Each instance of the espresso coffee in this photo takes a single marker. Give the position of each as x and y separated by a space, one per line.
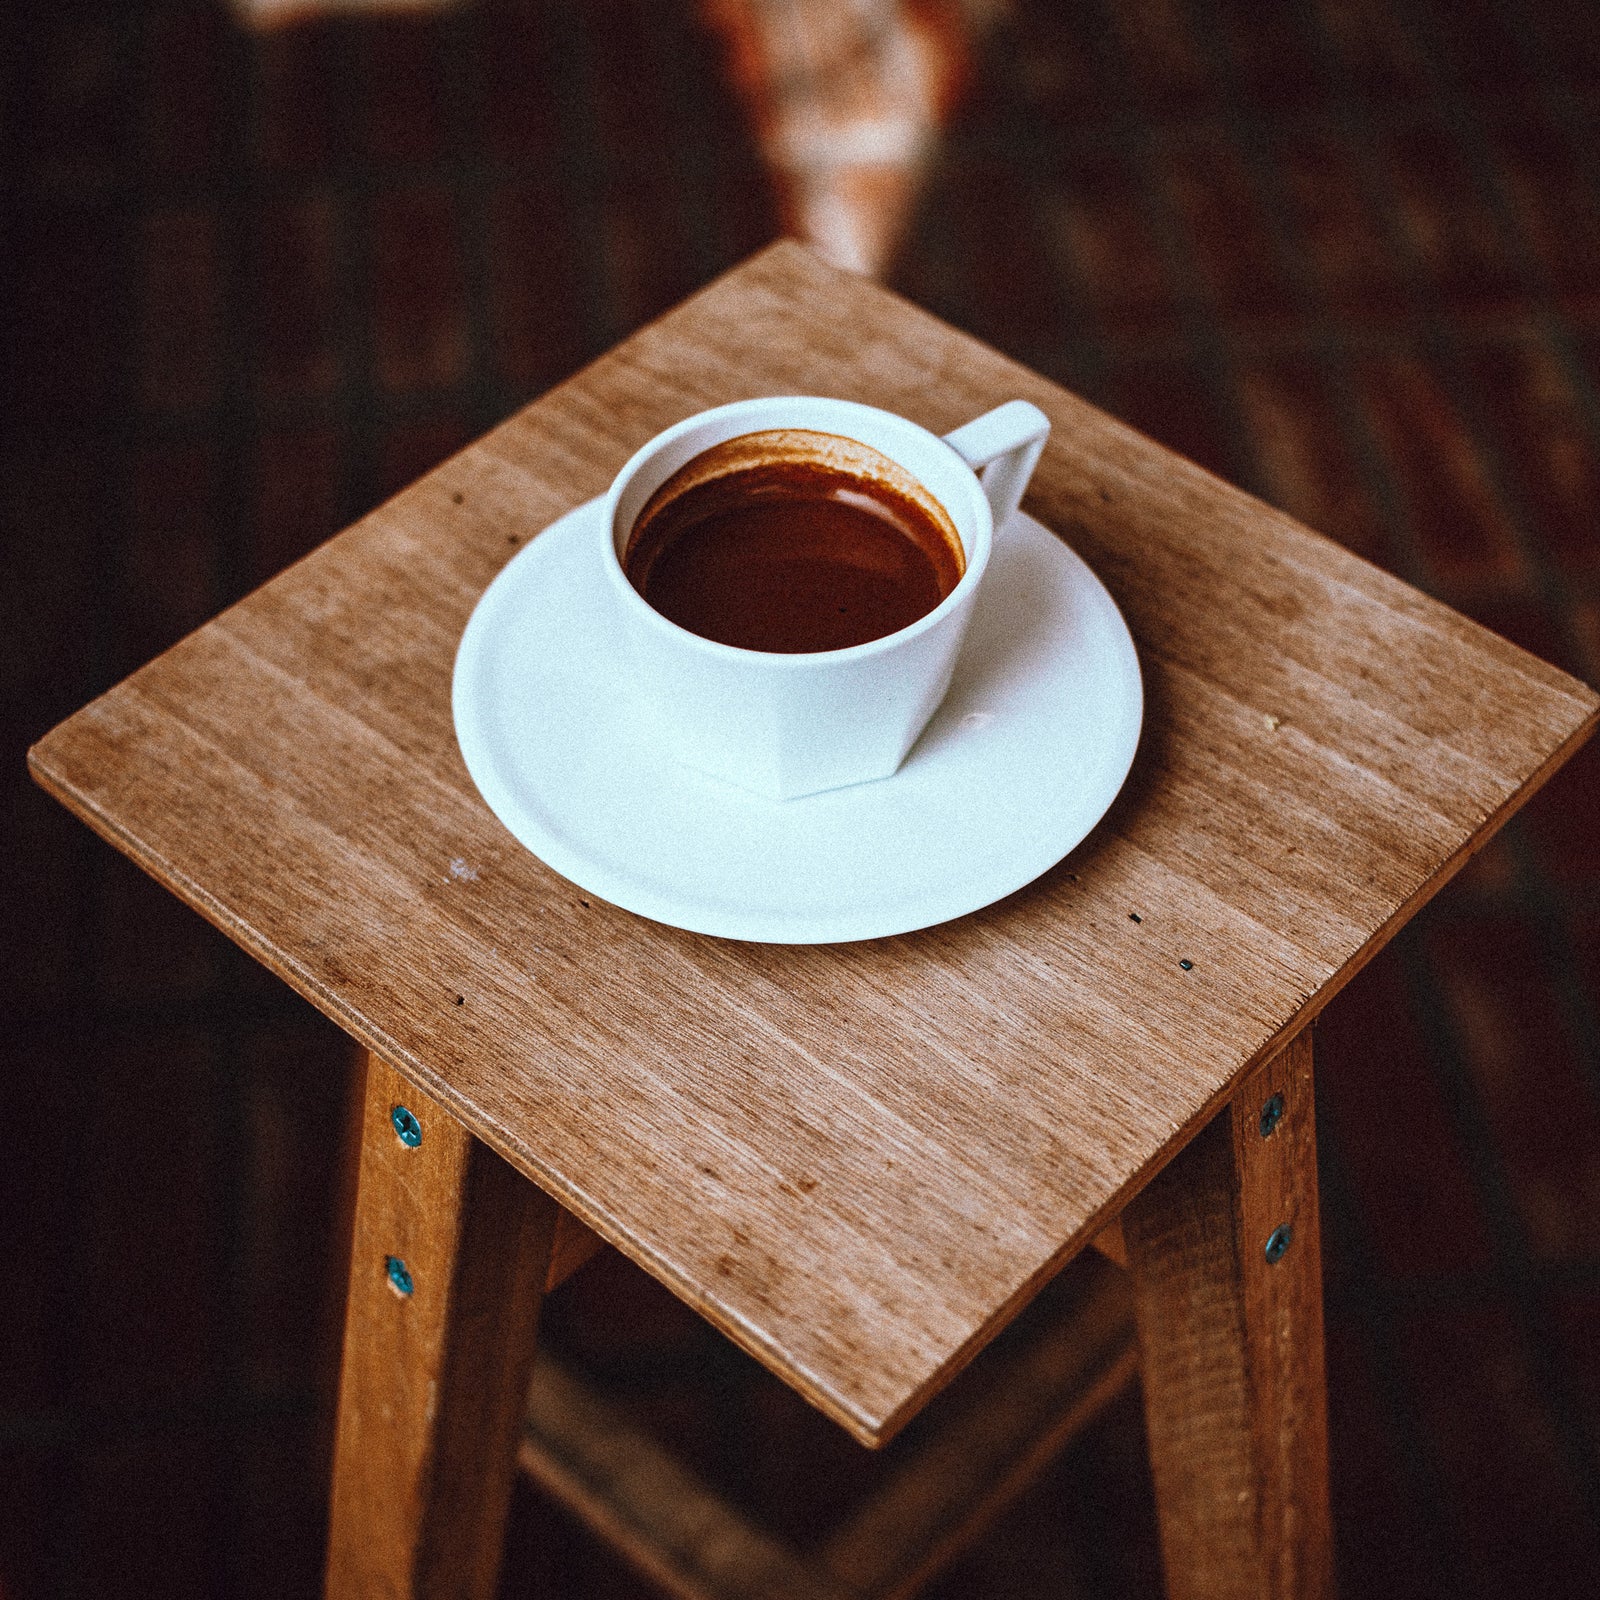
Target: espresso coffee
791 541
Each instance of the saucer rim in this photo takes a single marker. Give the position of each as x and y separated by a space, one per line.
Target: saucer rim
723 919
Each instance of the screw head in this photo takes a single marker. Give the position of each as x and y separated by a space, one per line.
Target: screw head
1277 1243
406 1127
399 1275
1271 1115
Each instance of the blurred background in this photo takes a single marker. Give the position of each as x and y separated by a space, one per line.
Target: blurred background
260 266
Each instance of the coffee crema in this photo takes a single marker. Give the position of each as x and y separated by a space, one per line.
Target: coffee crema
792 541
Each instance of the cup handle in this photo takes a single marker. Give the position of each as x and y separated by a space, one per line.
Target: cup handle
1002 447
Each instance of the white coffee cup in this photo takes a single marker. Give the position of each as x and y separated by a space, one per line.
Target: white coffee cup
785 725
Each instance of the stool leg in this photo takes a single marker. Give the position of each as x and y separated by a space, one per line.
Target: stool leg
1230 1330
448 1264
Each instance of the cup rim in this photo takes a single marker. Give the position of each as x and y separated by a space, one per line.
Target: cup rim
977 559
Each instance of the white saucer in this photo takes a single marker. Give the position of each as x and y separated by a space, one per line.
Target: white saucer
1026 754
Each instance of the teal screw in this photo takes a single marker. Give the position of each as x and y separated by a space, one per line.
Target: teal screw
1271 1115
1277 1243
399 1275
407 1129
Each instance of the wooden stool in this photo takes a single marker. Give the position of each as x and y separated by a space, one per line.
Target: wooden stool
861 1161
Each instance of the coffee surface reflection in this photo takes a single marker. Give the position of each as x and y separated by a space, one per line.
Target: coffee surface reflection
793 542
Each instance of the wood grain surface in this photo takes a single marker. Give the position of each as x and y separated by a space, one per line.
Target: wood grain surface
1230 1340
857 1160
435 1374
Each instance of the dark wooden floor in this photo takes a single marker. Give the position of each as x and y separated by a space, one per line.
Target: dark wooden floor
1345 252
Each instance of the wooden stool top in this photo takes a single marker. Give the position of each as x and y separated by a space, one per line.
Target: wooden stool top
858 1160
